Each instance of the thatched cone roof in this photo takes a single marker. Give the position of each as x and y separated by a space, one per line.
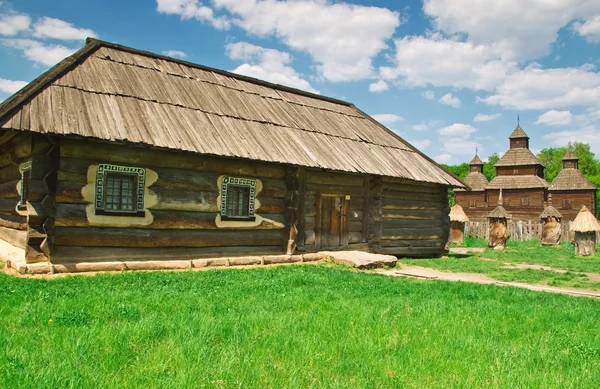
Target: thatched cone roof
585 221
550 211
499 213
457 214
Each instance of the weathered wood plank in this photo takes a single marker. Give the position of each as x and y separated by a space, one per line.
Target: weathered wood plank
10 173
410 204
412 196
413 251
17 238
331 178
409 214
412 243
134 237
112 153
335 189
410 223
16 222
412 233
68 254
74 215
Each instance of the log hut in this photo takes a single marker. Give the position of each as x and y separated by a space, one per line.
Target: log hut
551 225
474 201
498 221
116 154
585 226
458 218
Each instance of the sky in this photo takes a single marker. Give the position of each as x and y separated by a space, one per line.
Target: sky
449 76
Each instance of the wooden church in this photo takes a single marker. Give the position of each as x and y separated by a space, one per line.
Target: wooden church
520 177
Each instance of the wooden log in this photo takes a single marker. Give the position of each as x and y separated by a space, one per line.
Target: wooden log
412 243
9 206
410 204
74 215
413 251
270 205
7 135
8 190
412 187
309 223
10 173
309 199
310 238
336 189
411 223
70 192
16 152
412 196
310 211
17 238
135 237
331 178
68 254
412 233
409 214
16 222
185 200
141 156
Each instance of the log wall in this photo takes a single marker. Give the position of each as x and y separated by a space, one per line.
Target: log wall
341 184
15 148
569 202
512 198
415 218
184 212
473 203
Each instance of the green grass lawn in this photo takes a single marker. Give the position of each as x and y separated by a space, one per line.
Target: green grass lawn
291 327
526 252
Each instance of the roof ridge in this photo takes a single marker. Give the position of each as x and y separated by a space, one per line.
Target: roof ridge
253 80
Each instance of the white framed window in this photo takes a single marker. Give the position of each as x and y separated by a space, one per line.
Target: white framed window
25 185
238 198
120 190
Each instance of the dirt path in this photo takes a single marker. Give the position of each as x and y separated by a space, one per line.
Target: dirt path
433 274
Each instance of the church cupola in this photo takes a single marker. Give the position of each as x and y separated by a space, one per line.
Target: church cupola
476 166
519 139
570 160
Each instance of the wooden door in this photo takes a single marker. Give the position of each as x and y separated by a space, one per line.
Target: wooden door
332 222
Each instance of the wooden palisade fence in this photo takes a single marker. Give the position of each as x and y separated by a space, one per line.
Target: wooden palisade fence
517 230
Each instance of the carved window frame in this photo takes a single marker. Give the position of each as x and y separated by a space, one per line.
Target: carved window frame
104 170
566 204
25 184
525 201
238 182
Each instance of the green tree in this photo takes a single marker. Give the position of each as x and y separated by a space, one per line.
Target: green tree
488 167
460 171
588 164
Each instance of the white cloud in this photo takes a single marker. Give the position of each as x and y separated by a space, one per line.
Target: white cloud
423 126
379 86
537 88
459 130
175 53
486 118
266 64
192 9
443 158
450 100
420 144
39 53
341 38
59 29
10 86
519 29
387 118
422 61
429 95
461 147
590 29
13 24
555 118
589 135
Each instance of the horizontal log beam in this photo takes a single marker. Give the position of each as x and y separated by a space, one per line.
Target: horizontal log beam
329 178
16 222
411 204
68 254
412 196
412 252
411 223
336 189
411 243
74 215
134 237
416 215
142 156
17 238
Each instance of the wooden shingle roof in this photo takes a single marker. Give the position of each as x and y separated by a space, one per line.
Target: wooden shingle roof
570 156
476 161
115 93
571 179
517 182
476 181
550 211
518 133
518 157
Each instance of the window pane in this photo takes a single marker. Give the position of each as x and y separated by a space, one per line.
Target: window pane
238 201
119 192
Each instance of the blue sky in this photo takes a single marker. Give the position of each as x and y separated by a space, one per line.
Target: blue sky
447 75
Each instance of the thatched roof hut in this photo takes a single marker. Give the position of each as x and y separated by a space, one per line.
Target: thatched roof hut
458 218
585 226
457 214
585 222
